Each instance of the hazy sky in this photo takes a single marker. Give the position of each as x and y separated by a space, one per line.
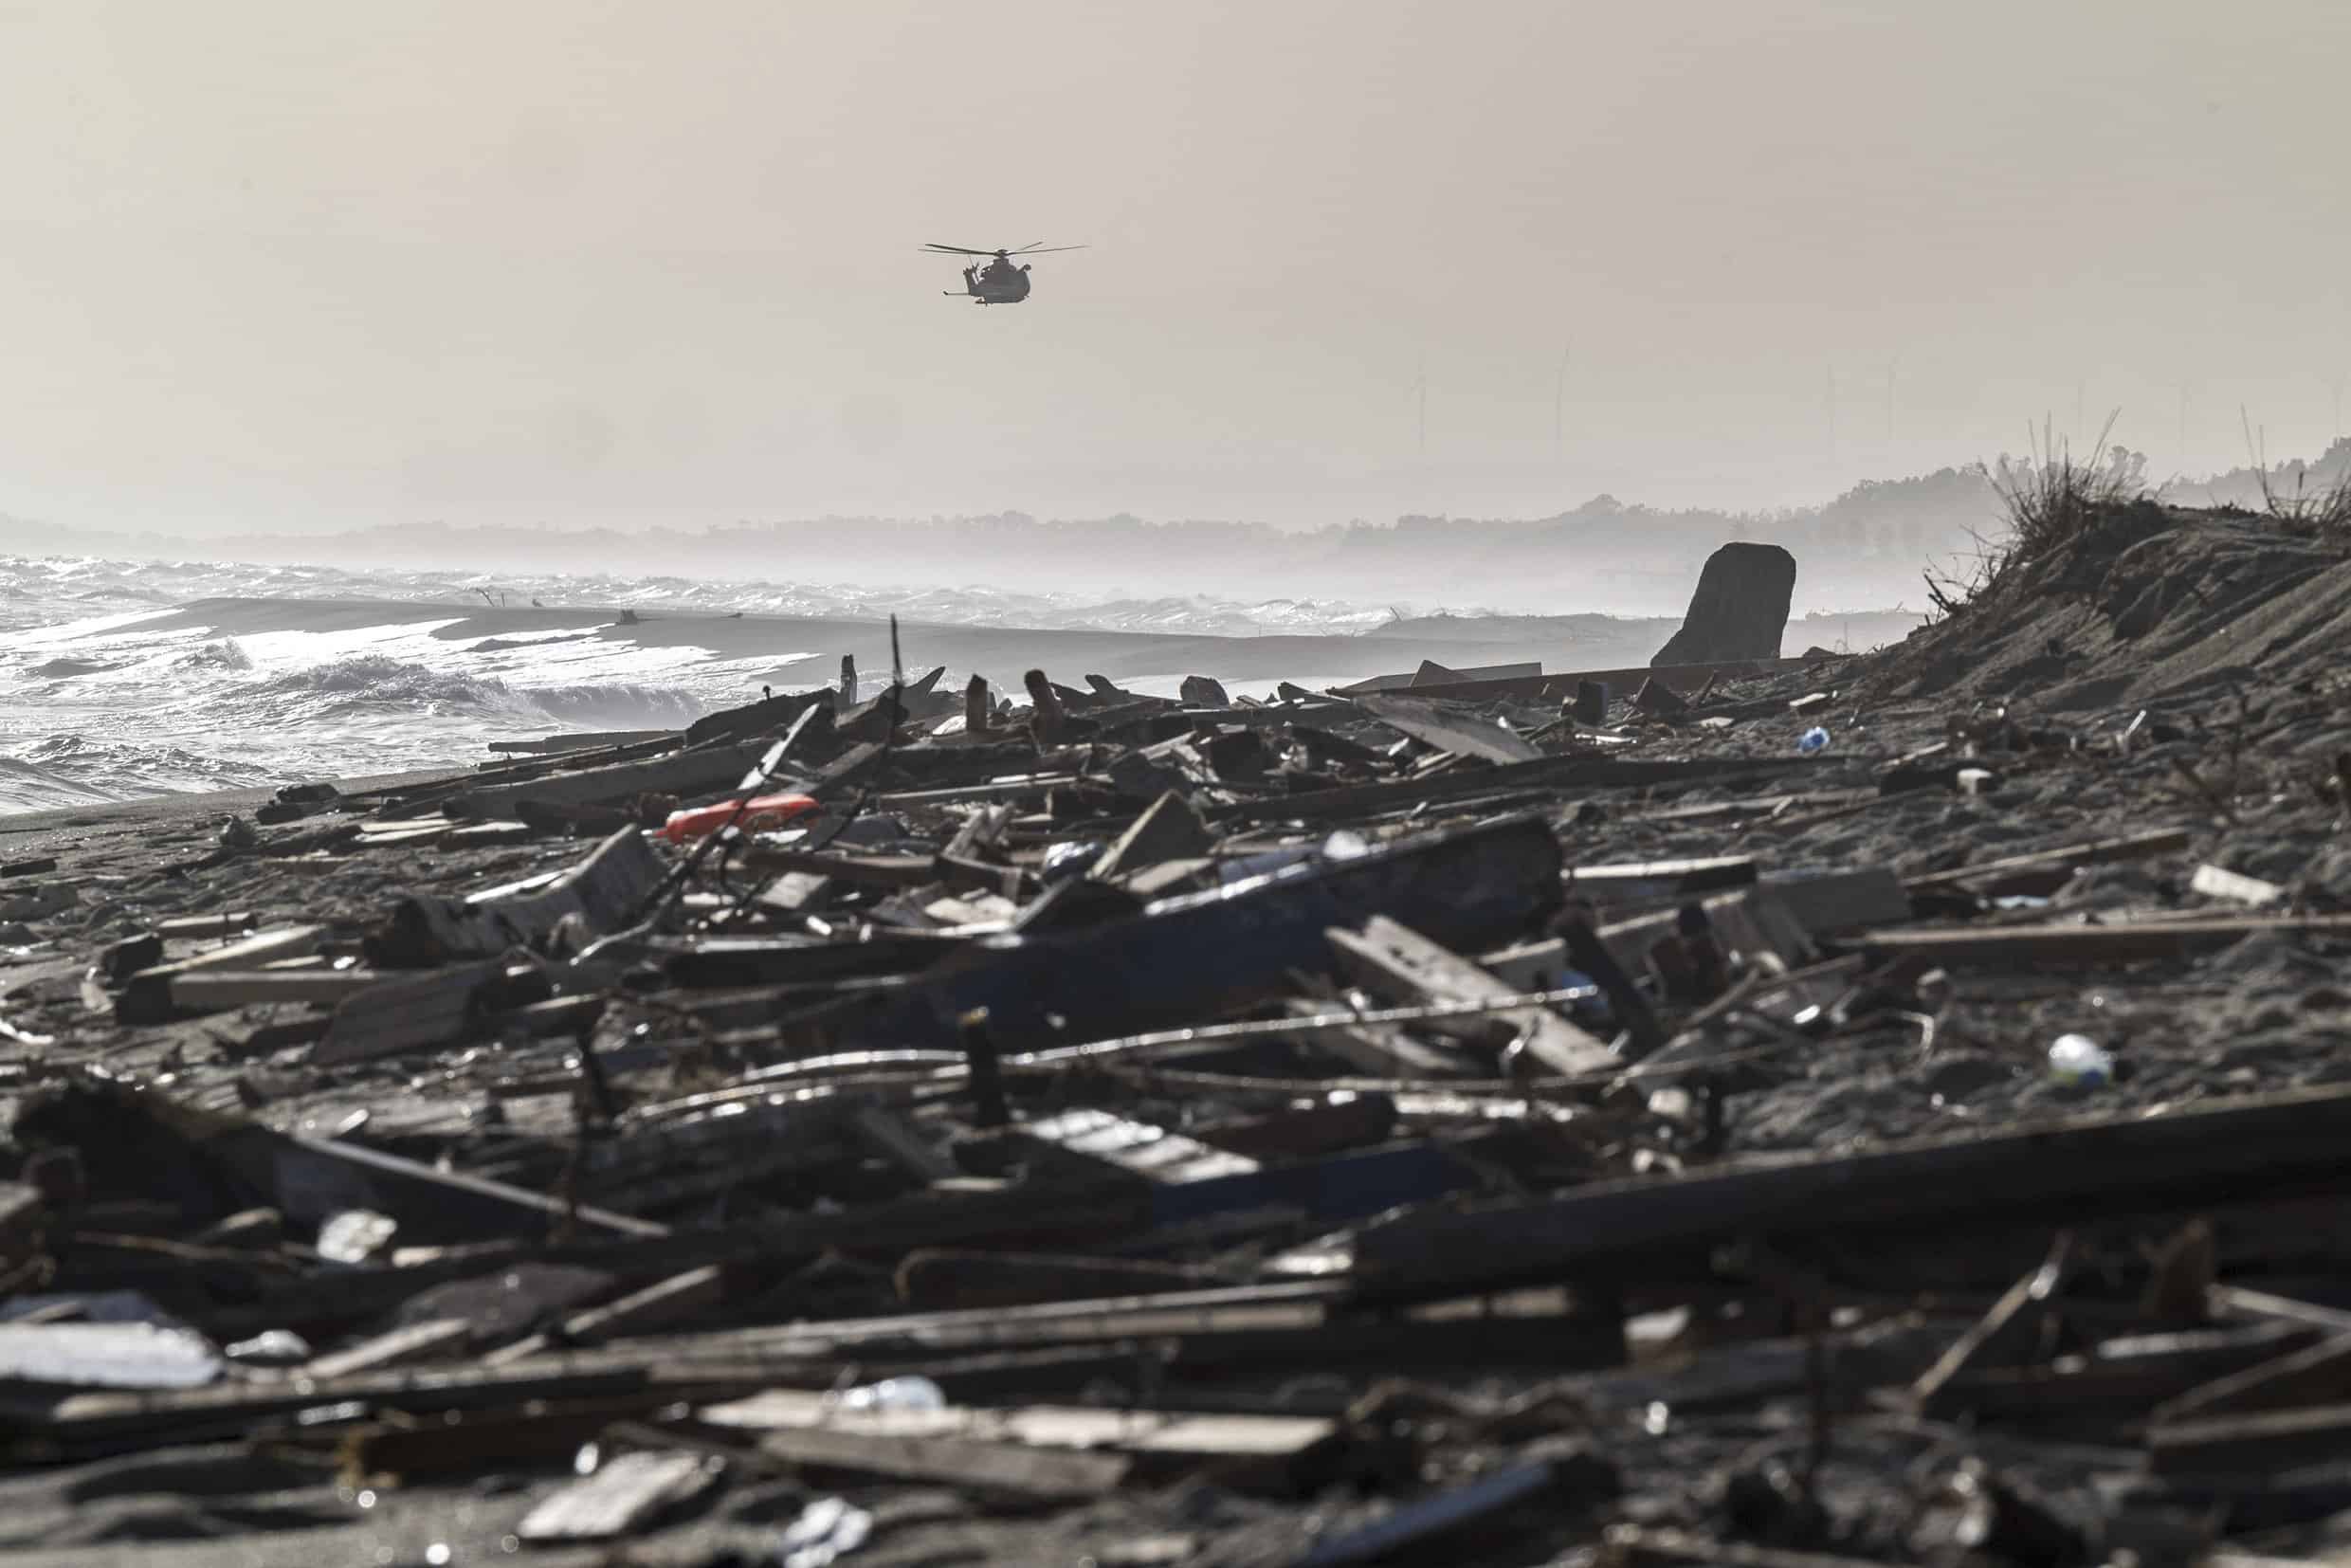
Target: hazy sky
280 263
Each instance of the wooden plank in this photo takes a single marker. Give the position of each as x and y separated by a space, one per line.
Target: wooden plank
2262 1443
1009 1467
685 775
215 990
2200 1154
207 926
1642 881
408 1012
864 870
147 996
626 1491
1303 1309
1545 773
104 1421
1169 829
1132 1432
1463 734
2238 1300
1390 956
2003 1333
655 1306
1025 787
2093 853
1081 1213
2124 942
2316 1374
2120 1375
311 1177
423 1341
543 744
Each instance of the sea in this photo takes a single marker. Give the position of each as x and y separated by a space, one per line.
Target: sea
111 690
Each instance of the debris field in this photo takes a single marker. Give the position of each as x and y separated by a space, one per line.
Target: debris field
1887 1108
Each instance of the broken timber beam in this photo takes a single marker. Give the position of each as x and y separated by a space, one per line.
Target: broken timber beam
2059 861
1391 957
2084 1167
1549 773
685 775
2129 942
151 996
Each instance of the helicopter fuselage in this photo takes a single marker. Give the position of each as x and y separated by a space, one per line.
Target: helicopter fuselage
983 290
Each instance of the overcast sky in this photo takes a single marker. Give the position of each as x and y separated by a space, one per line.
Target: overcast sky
278 264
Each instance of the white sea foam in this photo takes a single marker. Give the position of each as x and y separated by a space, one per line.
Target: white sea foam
110 691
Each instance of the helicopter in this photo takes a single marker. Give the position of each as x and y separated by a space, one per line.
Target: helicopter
1002 280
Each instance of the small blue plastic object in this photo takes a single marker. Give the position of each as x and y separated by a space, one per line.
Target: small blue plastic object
1813 740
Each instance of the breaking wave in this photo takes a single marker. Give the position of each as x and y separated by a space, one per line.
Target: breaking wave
75 769
366 685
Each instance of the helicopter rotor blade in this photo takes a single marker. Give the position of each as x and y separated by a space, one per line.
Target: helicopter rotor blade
1041 248
958 250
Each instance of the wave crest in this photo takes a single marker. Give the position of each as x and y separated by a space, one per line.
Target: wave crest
374 683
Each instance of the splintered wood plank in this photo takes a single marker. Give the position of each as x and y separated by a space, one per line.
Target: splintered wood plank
1135 1432
2261 1442
996 1467
2000 1333
148 997
2093 853
217 988
2124 942
1390 956
2319 1374
655 1306
2081 1169
407 1013
396 1347
625 1492
686 774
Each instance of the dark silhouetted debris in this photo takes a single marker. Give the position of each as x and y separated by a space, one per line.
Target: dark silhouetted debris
1739 609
